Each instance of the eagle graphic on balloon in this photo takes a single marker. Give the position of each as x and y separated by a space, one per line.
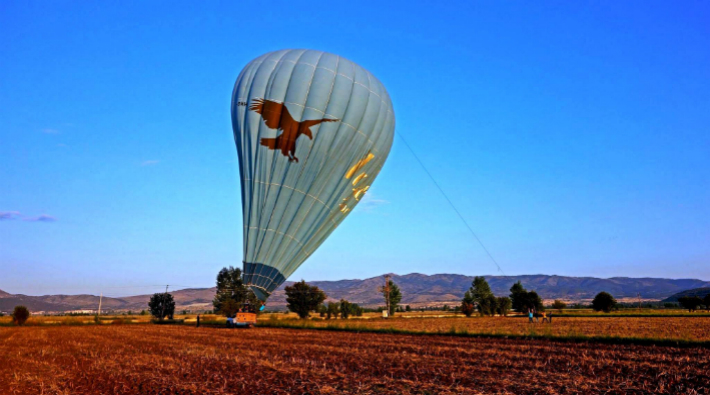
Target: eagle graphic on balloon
276 116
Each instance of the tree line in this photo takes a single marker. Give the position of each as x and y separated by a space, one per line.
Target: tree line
302 299
480 298
232 296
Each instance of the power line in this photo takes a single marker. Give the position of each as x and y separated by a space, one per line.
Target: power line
450 202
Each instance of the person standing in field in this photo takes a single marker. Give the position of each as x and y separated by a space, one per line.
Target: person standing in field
544 317
536 315
530 315
549 318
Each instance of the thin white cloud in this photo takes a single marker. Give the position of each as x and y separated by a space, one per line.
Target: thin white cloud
9 215
41 218
50 131
369 202
149 162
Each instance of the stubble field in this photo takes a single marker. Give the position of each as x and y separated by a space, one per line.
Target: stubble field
156 359
684 329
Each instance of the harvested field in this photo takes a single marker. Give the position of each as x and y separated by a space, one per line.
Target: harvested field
152 359
665 328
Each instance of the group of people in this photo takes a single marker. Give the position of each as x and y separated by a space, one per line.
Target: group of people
533 314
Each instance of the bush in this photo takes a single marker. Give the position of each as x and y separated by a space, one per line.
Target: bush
348 309
603 302
559 305
357 310
20 315
468 304
345 309
332 310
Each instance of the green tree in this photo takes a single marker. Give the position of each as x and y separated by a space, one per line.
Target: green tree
559 305
20 315
482 296
302 298
503 305
487 305
522 300
518 297
356 310
346 309
229 308
690 302
706 302
232 295
468 304
480 288
535 301
162 305
603 302
407 309
395 296
332 310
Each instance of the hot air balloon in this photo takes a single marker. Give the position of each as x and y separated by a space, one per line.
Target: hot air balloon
312 131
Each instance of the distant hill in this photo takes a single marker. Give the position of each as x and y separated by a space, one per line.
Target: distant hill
417 290
200 299
700 292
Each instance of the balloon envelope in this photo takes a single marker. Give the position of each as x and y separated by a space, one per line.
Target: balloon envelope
312 131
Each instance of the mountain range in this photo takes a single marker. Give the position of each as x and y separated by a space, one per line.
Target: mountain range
418 290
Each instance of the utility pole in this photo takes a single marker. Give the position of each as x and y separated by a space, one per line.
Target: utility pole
101 298
387 294
165 299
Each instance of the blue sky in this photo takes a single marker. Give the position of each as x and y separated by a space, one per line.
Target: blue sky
573 137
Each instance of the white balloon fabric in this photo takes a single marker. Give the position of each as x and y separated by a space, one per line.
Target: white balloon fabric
312 131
